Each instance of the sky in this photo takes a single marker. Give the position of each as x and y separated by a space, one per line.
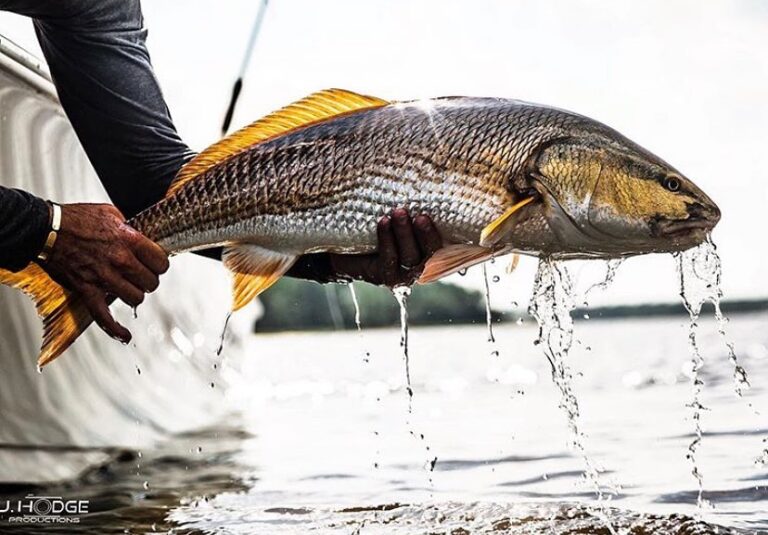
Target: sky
686 79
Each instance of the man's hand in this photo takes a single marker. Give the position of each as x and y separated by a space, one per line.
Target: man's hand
99 256
405 245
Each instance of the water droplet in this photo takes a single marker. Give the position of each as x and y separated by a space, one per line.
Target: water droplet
519 321
462 272
586 316
39 369
432 464
146 485
496 278
213 385
138 370
135 313
199 449
495 353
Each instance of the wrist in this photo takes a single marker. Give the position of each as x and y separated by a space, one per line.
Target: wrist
54 226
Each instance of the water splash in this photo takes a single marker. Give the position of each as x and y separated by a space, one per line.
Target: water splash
551 305
356 304
488 313
402 293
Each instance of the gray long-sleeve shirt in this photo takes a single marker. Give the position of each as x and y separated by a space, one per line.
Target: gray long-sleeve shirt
96 51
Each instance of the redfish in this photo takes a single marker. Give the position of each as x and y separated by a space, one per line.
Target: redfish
495 175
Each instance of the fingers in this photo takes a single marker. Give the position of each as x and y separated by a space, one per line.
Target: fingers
407 248
96 302
388 261
141 277
148 252
427 235
118 286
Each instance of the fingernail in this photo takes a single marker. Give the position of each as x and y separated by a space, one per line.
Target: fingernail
400 214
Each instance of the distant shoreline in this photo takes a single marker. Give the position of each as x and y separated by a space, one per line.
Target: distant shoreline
303 306
733 307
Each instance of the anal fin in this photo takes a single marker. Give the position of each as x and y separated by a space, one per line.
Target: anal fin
454 258
254 269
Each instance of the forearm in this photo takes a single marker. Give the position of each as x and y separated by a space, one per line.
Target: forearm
96 51
23 227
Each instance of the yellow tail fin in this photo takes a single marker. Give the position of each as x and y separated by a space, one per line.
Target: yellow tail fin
64 314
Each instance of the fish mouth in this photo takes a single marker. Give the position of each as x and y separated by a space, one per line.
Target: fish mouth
678 228
701 219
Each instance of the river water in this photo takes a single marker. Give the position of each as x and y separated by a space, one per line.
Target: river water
321 440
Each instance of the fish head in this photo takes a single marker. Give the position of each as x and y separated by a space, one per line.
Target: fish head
604 196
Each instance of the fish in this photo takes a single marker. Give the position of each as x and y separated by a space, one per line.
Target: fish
495 175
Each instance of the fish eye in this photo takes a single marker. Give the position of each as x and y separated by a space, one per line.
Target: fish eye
672 183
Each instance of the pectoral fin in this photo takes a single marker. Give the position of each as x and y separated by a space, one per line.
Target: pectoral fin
453 258
254 269
499 227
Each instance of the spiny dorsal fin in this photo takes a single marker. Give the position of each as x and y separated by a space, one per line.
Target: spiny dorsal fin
315 108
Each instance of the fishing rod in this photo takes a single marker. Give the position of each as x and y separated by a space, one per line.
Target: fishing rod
238 86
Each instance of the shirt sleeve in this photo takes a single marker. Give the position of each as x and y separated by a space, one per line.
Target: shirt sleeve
96 51
23 227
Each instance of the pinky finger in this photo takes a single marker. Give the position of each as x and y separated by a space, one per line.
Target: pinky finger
96 302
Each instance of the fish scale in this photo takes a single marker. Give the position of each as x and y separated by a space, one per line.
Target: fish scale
400 148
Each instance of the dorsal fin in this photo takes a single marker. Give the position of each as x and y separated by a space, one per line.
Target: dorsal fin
315 108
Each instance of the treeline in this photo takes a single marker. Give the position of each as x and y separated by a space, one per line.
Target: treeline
299 305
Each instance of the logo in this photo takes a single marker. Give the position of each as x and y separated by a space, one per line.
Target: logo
43 510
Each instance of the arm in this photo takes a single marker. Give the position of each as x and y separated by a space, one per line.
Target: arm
96 51
24 221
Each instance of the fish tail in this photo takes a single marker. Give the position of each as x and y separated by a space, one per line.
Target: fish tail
64 314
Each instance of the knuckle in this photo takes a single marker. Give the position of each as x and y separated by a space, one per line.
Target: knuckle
121 257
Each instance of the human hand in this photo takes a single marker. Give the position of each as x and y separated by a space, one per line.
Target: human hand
99 256
405 245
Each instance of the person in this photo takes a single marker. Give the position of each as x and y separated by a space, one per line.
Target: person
97 54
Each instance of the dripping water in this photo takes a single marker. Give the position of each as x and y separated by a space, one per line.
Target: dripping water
401 294
551 306
611 267
356 304
488 313
700 272
223 335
